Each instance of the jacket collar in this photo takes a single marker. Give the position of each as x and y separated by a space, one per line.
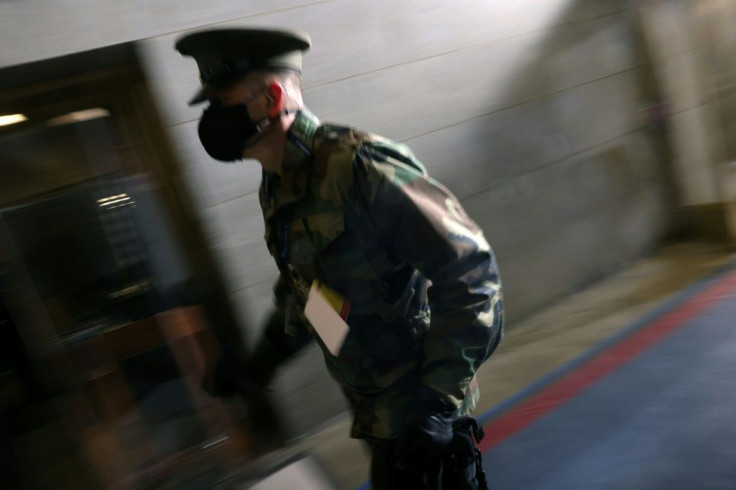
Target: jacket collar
291 186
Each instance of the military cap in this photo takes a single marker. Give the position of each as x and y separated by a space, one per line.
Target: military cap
223 56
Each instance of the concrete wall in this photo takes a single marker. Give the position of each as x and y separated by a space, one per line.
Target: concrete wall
532 112
691 46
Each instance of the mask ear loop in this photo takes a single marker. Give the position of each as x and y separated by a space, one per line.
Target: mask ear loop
265 123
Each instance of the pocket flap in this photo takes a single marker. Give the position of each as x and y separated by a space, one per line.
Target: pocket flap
324 228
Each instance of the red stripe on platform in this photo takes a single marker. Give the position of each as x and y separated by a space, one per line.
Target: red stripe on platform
570 385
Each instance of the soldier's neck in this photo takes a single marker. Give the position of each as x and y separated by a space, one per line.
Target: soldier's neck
270 150
273 161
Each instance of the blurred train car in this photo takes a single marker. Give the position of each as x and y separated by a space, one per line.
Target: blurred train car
108 295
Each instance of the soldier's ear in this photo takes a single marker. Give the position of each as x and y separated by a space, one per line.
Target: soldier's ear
277 98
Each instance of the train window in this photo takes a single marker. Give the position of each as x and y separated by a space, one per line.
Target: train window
100 266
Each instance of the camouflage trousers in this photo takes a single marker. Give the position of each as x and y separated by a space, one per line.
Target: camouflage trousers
459 467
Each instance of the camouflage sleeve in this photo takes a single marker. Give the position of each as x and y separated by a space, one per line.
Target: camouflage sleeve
280 339
425 223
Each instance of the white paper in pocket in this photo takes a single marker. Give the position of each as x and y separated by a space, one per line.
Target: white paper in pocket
322 312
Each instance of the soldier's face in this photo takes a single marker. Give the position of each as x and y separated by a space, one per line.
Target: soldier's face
235 121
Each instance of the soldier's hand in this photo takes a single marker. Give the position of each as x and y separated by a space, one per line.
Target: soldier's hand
231 377
220 380
427 431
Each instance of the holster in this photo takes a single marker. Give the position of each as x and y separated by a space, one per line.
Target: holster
462 463
458 467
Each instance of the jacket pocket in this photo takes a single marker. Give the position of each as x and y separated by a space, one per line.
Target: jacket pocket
324 228
309 236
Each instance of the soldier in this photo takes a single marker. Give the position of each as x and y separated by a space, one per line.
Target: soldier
354 219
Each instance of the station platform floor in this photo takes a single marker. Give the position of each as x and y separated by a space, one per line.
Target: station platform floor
627 384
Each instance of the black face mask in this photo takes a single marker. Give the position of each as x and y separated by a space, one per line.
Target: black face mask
226 131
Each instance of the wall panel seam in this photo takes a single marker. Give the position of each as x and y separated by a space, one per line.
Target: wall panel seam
557 161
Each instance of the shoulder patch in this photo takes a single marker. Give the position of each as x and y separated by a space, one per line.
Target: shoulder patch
339 151
334 153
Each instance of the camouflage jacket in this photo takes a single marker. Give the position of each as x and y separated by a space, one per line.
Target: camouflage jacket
359 213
